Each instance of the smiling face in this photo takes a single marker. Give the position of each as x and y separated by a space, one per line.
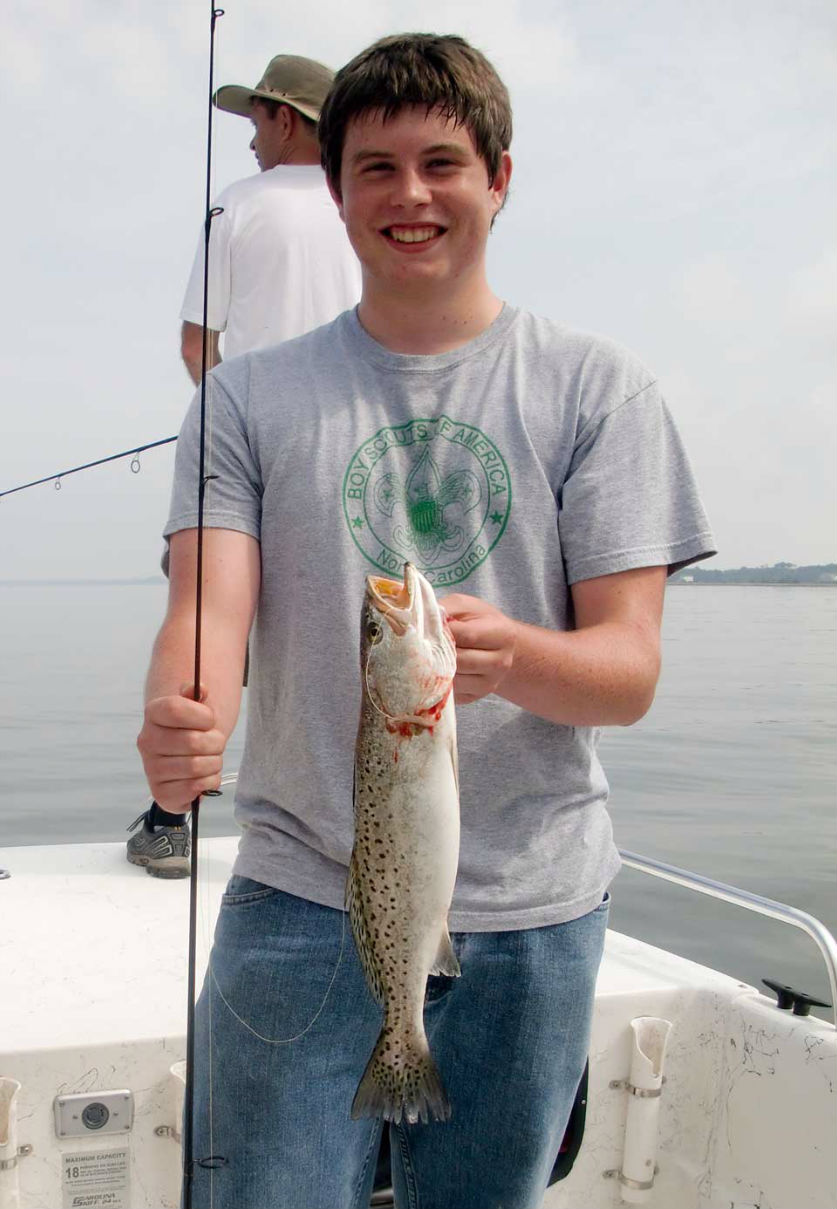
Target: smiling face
418 204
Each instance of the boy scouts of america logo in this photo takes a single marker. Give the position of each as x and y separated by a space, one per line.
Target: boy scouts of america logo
435 492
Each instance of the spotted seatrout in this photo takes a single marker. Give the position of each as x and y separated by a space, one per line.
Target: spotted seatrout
406 807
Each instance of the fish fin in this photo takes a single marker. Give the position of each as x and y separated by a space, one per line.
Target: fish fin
445 961
454 759
412 1089
360 931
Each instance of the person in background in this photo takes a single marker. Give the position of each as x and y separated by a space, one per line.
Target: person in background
280 264
534 474
279 260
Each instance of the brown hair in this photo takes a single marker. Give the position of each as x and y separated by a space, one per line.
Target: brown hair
440 71
273 108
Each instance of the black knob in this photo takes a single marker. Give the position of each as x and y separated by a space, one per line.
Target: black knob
803 1003
95 1116
785 995
789 997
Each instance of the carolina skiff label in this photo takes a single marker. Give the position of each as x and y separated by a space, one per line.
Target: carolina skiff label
434 492
96 1180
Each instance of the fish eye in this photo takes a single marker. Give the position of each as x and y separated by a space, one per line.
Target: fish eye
374 631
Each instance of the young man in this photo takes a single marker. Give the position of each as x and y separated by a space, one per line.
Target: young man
533 473
279 265
279 260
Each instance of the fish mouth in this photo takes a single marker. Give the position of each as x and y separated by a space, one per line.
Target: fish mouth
395 599
412 604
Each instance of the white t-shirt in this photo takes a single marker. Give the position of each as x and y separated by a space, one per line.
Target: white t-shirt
509 468
280 262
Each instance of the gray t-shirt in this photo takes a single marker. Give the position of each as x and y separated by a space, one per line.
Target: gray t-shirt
528 459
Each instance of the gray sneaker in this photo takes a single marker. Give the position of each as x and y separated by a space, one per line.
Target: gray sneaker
164 851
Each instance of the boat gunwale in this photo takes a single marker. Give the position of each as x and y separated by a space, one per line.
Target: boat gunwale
769 907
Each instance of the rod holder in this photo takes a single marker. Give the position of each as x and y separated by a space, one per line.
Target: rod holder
649 1036
10 1153
176 1092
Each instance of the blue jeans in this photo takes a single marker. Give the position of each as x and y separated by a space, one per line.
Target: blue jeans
285 1025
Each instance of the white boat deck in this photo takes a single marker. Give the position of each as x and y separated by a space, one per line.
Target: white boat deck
93 999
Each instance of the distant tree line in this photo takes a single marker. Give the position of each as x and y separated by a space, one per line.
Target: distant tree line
779 573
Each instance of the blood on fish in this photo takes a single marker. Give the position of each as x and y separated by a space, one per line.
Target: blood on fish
416 724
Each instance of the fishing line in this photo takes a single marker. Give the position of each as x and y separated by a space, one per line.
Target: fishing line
318 1013
400 718
230 779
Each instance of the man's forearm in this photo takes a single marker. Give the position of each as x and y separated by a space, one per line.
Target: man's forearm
182 741
172 667
604 675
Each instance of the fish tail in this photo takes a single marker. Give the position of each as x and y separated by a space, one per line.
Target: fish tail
401 1081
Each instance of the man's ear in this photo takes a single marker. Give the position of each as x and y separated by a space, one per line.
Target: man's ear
287 118
499 187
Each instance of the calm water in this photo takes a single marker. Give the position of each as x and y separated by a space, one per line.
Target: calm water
732 774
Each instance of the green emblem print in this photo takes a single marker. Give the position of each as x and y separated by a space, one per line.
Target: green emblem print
434 492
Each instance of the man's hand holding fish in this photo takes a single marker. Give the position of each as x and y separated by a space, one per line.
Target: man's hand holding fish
602 673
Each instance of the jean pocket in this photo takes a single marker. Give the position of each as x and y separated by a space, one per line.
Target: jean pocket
604 905
241 890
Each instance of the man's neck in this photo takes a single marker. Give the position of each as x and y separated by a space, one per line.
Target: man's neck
426 325
296 154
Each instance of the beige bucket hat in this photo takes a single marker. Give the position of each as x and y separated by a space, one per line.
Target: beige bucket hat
289 79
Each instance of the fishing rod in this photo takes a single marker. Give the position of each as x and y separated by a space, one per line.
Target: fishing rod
113 457
210 1161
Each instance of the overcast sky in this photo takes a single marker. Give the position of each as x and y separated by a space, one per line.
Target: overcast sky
674 189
